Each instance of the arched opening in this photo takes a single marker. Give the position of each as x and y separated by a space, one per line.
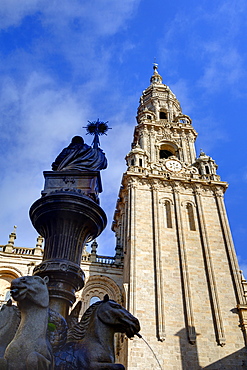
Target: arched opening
167 150
165 153
168 215
94 300
5 279
191 218
96 288
163 115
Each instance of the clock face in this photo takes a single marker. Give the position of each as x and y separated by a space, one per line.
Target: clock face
173 165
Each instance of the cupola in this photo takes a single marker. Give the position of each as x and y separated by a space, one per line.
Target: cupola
206 167
158 102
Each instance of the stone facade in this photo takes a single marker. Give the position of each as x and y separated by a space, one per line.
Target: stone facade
103 274
181 274
175 266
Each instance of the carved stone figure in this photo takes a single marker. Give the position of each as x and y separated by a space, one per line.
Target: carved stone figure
90 343
42 331
9 321
30 349
80 156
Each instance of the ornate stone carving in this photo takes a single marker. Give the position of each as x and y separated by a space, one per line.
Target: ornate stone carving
103 285
67 221
32 296
10 319
91 342
30 347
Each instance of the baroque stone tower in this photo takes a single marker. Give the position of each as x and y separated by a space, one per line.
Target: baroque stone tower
181 275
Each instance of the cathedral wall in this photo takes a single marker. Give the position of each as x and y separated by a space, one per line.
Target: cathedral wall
100 278
174 351
142 258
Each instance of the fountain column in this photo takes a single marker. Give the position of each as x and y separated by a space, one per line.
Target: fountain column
67 216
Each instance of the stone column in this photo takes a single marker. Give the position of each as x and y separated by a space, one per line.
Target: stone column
67 218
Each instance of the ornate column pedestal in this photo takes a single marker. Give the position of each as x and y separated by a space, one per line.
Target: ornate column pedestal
67 218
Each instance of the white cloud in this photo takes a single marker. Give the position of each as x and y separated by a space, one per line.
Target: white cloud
208 39
40 112
182 90
12 12
224 66
104 17
42 119
211 134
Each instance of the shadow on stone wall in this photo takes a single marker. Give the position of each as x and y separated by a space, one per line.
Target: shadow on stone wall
189 353
235 361
190 360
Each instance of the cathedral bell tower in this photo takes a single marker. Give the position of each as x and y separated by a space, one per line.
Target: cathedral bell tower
181 275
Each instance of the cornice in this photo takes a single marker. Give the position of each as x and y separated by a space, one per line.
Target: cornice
165 187
163 123
137 179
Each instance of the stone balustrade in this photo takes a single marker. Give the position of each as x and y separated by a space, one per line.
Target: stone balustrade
107 260
22 251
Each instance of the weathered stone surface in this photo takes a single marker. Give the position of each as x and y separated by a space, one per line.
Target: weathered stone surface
29 348
91 342
9 321
88 183
181 274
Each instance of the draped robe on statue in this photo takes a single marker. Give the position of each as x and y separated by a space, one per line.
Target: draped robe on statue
81 157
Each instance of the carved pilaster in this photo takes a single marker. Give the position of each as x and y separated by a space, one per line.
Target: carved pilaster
212 287
184 147
188 308
231 254
132 246
152 145
125 223
159 294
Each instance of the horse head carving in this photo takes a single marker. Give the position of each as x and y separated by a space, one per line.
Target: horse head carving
90 343
113 314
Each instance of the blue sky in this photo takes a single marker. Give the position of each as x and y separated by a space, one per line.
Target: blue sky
63 63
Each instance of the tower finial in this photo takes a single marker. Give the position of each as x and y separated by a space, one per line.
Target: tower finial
155 66
156 78
12 236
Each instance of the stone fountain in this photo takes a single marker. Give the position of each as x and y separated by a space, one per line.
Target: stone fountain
67 215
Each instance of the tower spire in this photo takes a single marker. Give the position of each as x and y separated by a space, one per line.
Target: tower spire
156 77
